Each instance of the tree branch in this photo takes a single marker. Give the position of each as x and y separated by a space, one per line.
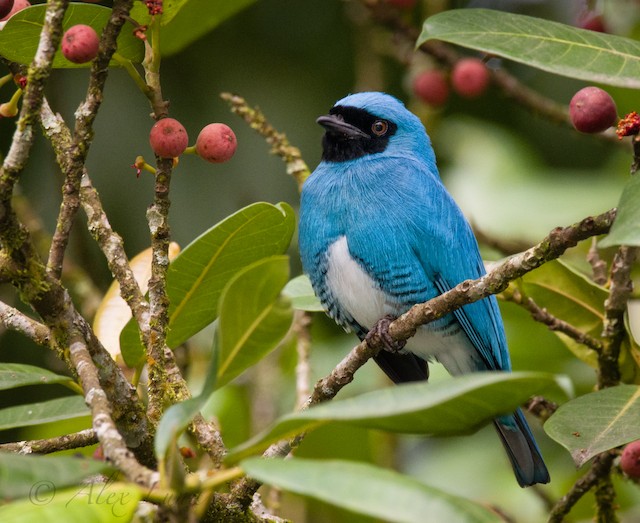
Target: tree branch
72 162
14 320
615 307
75 440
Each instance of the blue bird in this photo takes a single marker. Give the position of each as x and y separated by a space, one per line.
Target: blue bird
379 233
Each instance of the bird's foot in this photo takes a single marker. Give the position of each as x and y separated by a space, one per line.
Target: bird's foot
381 330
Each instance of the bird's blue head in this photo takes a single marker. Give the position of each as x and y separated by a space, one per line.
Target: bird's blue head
373 123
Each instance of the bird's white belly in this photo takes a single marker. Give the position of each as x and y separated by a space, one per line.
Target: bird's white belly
361 297
356 292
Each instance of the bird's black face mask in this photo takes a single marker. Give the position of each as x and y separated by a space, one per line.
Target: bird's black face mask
352 132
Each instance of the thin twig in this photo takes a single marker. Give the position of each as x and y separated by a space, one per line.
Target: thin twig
555 324
598 265
280 145
615 307
15 320
600 467
72 162
75 440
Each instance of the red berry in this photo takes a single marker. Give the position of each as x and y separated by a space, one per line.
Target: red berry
592 110
431 87
630 460
470 77
402 4
168 138
15 6
80 44
216 143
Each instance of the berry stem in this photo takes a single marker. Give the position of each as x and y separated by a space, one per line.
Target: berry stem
133 73
6 79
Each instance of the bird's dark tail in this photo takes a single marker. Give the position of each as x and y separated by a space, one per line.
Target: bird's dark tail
522 449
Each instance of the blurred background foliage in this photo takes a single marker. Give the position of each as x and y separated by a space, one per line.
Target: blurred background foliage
515 175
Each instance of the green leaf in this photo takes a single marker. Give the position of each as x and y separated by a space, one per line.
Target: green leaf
301 294
95 502
550 46
43 412
199 273
14 375
196 277
253 316
626 227
20 473
365 489
20 36
596 422
460 405
183 22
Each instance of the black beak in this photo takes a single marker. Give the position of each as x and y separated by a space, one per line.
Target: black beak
336 125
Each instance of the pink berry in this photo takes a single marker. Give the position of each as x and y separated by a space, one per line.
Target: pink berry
470 77
15 6
168 138
80 44
592 110
431 87
216 143
630 460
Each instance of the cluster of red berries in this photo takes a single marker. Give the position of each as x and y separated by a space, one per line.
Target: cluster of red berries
469 78
216 143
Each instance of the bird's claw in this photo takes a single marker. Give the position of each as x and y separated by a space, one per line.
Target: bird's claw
381 330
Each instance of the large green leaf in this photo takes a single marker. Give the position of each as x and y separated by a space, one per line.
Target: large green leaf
184 21
253 316
199 273
19 473
94 502
460 405
20 36
626 227
365 489
301 294
550 46
14 375
43 412
596 422
197 276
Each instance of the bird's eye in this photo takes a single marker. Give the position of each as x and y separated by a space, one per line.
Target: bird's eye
380 127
